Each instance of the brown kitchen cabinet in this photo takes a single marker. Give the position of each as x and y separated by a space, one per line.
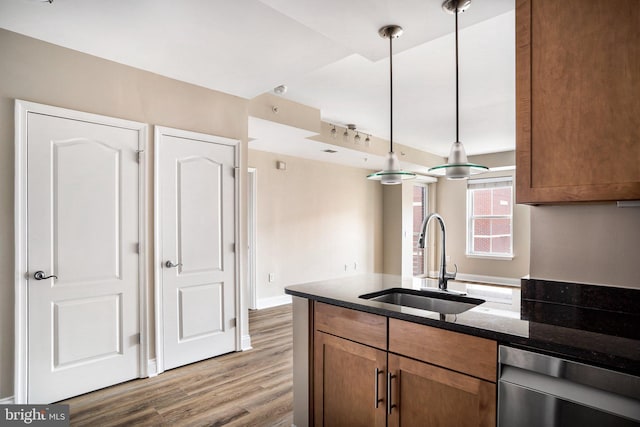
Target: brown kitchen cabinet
349 369
427 395
452 382
577 101
369 370
346 390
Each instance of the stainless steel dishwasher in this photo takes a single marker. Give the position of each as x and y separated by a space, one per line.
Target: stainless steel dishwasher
536 390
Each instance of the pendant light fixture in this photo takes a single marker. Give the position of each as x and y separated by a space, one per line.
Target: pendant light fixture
457 167
392 174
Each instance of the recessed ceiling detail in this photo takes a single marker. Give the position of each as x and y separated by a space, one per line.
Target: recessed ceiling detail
322 50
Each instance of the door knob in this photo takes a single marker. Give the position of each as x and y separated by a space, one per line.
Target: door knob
169 264
39 275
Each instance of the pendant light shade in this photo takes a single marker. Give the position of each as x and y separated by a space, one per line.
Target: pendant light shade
391 174
457 166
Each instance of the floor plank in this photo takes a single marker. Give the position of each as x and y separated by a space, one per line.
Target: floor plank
251 388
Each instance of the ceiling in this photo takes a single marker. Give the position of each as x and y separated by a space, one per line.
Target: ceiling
327 52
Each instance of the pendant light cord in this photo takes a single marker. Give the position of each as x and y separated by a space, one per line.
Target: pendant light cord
457 96
391 92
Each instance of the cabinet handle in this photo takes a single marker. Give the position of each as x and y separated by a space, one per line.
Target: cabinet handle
378 400
390 404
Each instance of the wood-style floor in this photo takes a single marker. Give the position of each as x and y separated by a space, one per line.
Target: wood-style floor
251 388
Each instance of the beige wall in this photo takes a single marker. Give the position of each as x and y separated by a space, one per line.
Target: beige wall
40 72
398 228
313 219
593 243
451 204
392 232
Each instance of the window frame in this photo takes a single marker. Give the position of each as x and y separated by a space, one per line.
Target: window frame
508 181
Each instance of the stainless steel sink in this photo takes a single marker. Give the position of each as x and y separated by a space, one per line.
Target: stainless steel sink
438 301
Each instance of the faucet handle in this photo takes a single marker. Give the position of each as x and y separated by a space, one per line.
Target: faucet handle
451 275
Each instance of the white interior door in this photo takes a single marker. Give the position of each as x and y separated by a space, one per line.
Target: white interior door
196 234
82 237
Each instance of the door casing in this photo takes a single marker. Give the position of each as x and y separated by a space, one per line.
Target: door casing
252 215
22 109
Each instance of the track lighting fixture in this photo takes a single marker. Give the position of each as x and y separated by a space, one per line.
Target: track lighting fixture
357 139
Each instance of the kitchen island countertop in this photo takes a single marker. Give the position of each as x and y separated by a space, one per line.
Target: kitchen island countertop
598 337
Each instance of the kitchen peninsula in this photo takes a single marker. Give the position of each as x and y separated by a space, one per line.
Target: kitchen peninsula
442 358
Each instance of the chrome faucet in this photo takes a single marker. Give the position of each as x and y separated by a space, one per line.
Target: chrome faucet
443 276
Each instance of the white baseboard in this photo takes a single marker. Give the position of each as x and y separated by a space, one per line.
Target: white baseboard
152 368
273 301
245 343
494 280
7 400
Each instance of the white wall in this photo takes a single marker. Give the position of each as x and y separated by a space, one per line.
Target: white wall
313 219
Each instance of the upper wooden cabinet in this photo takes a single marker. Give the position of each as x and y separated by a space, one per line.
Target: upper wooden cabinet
578 100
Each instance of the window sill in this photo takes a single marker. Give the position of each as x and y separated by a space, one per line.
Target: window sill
491 257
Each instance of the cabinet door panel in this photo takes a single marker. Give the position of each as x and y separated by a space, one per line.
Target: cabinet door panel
344 383
577 85
426 395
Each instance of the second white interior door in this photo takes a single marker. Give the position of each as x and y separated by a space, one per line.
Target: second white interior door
196 247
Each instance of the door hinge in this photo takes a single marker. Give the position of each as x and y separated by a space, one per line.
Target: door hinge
232 323
139 155
137 248
233 247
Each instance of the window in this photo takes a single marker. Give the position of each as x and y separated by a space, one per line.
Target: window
490 217
420 205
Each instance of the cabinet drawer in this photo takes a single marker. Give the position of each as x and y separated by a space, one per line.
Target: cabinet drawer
459 352
365 328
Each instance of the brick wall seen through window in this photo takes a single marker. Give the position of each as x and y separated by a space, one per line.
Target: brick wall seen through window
490 217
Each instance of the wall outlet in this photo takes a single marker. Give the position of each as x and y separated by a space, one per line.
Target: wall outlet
272 277
448 258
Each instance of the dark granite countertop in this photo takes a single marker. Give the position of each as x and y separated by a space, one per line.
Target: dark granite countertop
601 336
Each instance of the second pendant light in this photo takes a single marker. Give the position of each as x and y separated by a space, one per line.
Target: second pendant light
457 166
